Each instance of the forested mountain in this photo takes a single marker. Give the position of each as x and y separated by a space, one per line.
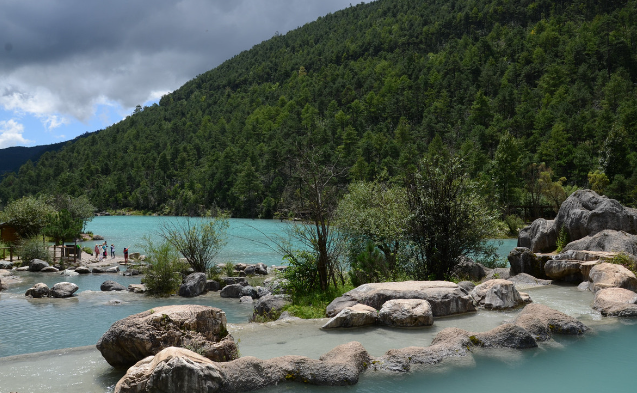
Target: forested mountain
506 83
12 158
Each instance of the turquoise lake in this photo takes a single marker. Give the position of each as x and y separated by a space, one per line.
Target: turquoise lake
48 344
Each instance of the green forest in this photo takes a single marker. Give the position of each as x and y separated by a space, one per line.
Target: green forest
531 94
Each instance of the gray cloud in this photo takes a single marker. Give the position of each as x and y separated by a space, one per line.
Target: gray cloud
65 56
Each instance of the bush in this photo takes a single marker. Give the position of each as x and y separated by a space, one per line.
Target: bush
624 260
228 269
513 223
34 248
164 270
312 304
368 265
562 239
302 274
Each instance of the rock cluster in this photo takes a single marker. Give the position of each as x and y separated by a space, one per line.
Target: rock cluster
59 290
178 369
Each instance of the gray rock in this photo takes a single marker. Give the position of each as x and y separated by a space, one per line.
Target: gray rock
585 213
542 321
270 306
564 270
194 285
137 288
98 270
502 273
82 270
608 275
249 291
232 291
63 289
276 285
406 313
235 280
540 236
528 280
467 269
37 264
445 297
39 290
523 260
112 269
69 273
286 316
115 302
250 270
355 316
466 286
6 265
497 295
109 285
23 268
585 286
131 272
240 266
607 240
245 299
212 285
49 269
616 302
261 269
133 338
262 291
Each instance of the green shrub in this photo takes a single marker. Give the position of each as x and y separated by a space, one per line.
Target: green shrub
513 223
34 248
87 250
562 240
624 260
369 265
164 270
228 269
312 304
302 274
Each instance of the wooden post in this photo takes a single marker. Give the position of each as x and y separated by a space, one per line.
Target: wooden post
10 253
75 252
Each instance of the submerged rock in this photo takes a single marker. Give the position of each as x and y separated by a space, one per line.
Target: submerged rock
445 297
131 339
542 321
616 302
355 316
109 285
181 370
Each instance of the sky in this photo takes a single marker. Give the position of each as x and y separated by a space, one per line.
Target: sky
72 66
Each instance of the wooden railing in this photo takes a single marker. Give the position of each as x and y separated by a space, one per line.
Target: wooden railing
4 253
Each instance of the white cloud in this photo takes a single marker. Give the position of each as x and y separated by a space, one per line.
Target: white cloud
54 121
11 134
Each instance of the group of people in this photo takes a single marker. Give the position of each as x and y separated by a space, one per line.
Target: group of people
101 251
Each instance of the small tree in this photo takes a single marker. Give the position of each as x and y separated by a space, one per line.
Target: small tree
450 217
163 274
199 242
62 227
28 215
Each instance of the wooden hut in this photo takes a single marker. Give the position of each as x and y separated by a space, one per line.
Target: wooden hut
8 234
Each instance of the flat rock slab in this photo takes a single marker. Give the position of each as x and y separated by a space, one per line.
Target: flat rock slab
564 270
355 316
406 313
445 298
616 302
131 339
527 280
497 295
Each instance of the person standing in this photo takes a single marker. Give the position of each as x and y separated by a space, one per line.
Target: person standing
113 251
126 255
104 250
97 252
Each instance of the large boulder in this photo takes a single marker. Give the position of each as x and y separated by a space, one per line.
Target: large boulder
540 236
585 213
63 289
194 285
406 313
609 275
212 285
82 270
37 264
616 302
355 316
181 370
445 297
607 240
109 285
468 269
564 270
133 338
542 321
270 306
39 290
497 294
523 260
261 269
249 290
232 291
6 265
